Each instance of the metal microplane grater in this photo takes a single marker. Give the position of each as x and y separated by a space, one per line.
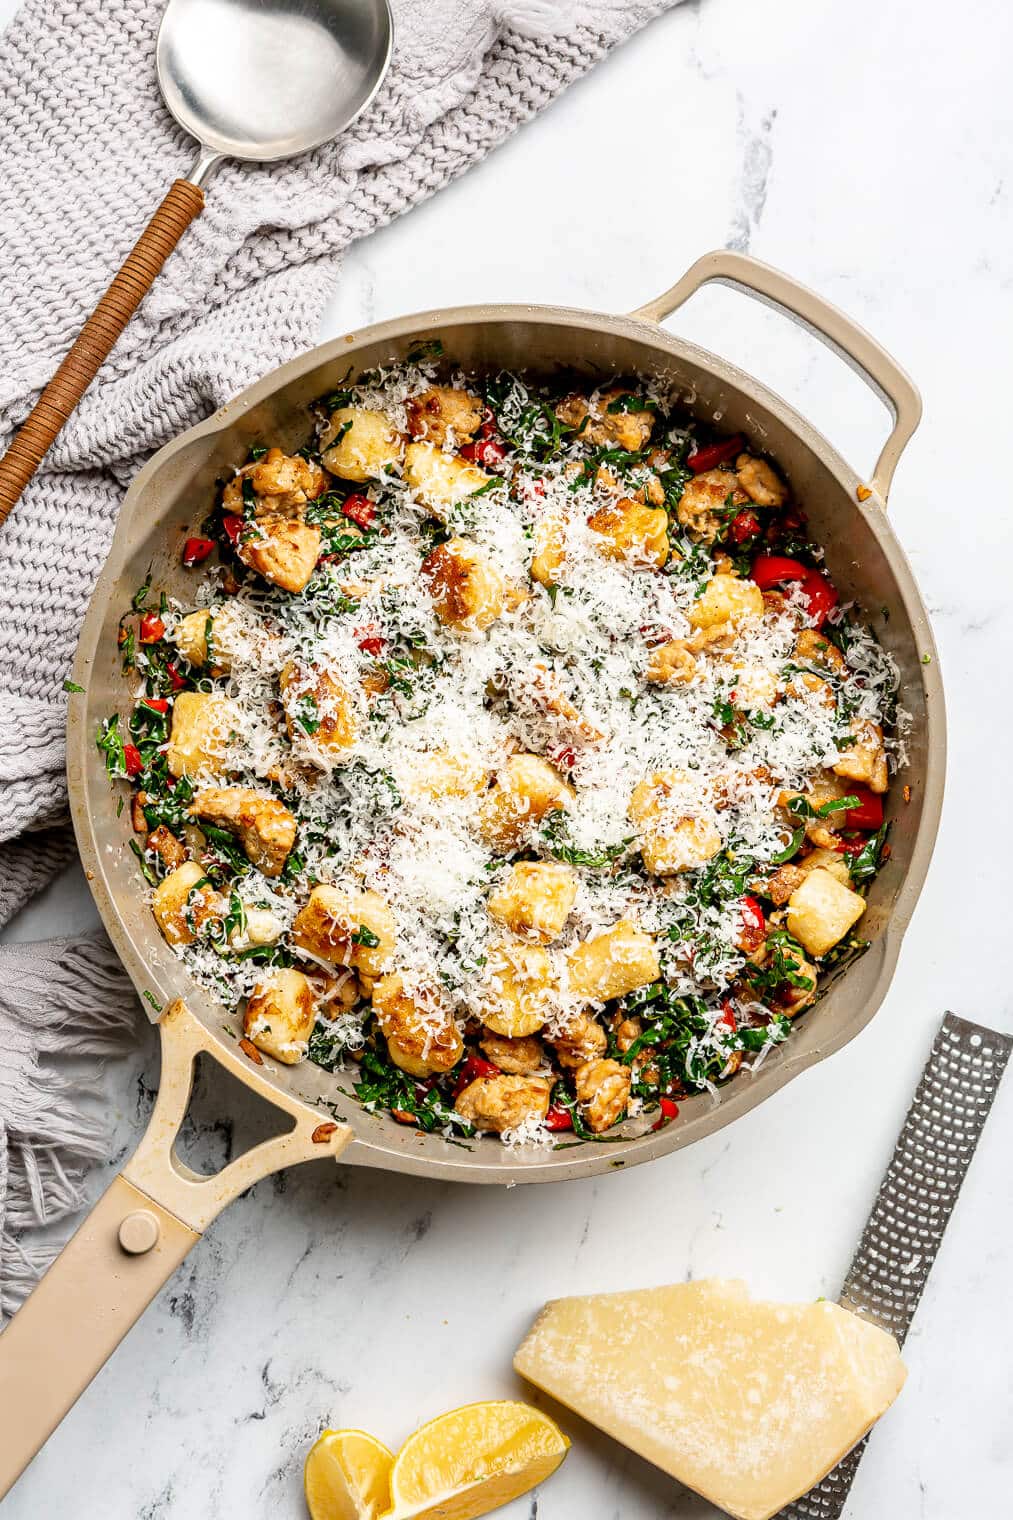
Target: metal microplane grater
914 1204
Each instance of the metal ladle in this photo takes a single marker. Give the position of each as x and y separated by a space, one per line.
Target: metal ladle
257 80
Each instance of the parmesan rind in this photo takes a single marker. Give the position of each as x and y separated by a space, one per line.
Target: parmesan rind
750 1403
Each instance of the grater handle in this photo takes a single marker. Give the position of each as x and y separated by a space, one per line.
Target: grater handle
913 1206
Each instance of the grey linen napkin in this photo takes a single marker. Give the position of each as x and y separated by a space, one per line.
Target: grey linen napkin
88 150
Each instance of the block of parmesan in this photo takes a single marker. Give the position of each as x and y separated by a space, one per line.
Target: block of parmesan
749 1403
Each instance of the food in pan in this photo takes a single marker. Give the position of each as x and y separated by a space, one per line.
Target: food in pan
512 757
749 1403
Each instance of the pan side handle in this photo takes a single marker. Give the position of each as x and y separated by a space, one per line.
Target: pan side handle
132 1242
825 321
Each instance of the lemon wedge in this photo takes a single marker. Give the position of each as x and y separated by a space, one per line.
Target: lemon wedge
347 1476
472 1460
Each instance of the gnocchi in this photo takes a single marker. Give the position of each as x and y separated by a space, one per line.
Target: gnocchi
516 758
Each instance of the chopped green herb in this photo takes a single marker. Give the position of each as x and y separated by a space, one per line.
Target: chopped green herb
146 870
561 848
306 712
140 596
864 865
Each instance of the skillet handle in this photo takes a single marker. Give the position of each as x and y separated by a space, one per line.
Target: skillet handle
132 1242
828 323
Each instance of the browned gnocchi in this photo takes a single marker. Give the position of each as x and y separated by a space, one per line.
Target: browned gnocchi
513 755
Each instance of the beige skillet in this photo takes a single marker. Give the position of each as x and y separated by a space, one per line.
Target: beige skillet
155 1211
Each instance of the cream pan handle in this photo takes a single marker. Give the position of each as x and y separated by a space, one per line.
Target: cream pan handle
132 1242
826 322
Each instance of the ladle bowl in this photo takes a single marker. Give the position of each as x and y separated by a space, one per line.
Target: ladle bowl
302 71
256 80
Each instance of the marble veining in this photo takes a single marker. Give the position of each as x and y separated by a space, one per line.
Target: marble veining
865 149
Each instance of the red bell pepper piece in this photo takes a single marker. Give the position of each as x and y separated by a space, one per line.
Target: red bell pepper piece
195 550
715 454
669 1111
654 635
489 428
178 681
851 846
156 704
771 570
558 1117
484 451
754 925
473 1070
820 596
233 525
743 526
869 812
132 762
370 640
152 628
359 510
728 1016
818 593
753 920
564 758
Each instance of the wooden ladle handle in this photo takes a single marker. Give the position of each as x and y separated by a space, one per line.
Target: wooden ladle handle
183 202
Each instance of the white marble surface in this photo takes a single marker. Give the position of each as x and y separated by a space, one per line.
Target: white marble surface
867 149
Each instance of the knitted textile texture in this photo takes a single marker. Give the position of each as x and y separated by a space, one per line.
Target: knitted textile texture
88 151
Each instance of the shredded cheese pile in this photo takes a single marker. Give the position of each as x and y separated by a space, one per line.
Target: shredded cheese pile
561 673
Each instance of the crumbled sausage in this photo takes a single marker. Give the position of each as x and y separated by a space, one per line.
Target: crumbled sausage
671 662
761 483
264 826
517 1057
441 410
282 485
707 502
581 1039
627 1032
600 426
501 1103
782 884
603 1091
165 845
